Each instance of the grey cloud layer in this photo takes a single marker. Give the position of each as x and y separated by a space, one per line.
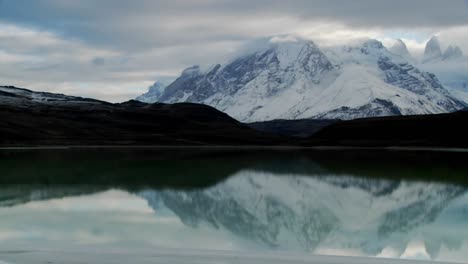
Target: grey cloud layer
148 24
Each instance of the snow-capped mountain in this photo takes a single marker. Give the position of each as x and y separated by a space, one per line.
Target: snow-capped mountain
294 79
153 94
308 213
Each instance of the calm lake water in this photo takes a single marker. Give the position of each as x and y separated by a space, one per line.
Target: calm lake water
386 204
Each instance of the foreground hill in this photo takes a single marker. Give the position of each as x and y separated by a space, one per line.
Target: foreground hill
34 118
301 128
442 130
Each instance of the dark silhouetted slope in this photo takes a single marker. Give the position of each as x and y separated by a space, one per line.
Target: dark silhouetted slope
31 118
442 130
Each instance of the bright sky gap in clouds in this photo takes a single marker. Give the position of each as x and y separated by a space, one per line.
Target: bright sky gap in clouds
115 49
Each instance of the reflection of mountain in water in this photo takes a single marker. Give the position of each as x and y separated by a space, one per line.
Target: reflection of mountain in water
277 199
307 213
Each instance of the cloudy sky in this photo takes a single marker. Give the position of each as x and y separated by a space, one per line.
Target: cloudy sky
115 49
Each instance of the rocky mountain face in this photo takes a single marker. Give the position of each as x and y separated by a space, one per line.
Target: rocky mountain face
296 79
305 213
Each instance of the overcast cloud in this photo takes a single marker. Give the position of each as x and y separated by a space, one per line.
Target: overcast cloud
114 49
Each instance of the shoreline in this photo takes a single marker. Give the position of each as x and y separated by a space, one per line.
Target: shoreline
246 147
168 255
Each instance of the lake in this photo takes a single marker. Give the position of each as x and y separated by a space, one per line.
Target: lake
215 205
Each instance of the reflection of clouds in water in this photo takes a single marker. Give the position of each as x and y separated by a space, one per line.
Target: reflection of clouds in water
339 252
112 200
114 218
460 254
416 250
446 237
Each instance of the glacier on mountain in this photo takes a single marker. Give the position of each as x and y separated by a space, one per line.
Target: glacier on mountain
294 79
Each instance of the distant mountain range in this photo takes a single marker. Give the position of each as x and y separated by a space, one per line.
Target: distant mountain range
433 51
450 66
295 79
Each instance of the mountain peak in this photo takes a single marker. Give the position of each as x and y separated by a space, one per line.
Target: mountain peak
452 52
400 48
289 51
373 43
372 46
292 44
191 71
276 44
289 39
432 50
